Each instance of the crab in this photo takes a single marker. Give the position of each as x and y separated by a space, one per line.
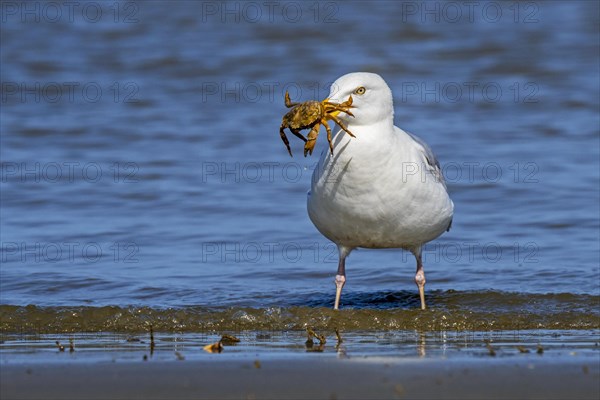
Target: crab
312 114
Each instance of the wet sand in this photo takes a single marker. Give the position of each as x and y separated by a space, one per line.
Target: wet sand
307 377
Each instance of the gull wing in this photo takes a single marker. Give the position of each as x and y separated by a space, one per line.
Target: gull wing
432 161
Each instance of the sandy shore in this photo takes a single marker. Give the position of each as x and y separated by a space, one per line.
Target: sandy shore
318 378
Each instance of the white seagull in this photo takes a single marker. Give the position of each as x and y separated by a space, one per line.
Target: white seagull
382 189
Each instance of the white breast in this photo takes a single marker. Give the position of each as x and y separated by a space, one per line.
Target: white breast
378 192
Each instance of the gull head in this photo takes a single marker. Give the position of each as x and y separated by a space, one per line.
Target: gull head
371 98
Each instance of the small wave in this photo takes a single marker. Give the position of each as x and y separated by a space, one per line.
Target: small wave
450 311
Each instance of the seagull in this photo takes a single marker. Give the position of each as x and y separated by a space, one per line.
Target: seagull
383 188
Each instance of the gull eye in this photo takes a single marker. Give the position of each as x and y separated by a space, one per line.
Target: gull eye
360 90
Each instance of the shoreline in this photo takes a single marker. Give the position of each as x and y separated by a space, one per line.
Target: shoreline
315 378
272 365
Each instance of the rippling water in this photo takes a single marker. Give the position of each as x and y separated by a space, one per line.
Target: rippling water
141 165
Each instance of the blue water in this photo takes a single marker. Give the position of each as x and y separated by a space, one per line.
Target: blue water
141 162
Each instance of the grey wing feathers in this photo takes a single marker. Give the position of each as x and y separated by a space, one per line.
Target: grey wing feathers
432 161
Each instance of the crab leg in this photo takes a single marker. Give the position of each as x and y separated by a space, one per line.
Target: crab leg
312 140
347 103
340 123
297 133
324 122
285 140
329 110
288 102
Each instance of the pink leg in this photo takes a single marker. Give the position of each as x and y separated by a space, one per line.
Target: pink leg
420 277
340 277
